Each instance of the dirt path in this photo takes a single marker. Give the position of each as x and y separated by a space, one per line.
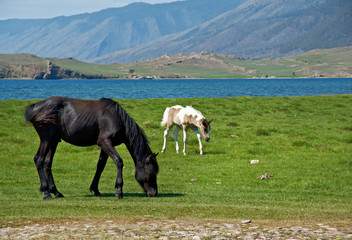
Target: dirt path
169 229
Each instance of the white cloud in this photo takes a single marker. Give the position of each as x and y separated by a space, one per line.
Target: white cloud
24 9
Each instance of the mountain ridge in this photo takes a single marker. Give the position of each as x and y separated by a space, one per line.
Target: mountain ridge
250 32
252 29
91 35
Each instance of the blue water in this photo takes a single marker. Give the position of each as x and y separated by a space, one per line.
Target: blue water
177 88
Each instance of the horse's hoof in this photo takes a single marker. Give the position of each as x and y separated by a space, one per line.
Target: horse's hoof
58 195
119 195
96 191
47 197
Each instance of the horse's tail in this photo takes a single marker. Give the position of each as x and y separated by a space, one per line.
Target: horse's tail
165 117
41 113
29 112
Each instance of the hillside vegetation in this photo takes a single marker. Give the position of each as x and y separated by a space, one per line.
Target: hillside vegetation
316 63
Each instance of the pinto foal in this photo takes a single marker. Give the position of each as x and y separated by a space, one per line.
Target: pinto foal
185 118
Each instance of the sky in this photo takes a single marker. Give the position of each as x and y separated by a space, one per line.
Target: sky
28 9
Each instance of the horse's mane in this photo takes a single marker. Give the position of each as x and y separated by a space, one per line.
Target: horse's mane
138 140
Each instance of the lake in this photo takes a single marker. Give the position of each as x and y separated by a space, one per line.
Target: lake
172 88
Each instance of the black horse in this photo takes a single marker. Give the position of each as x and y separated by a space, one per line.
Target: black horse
88 122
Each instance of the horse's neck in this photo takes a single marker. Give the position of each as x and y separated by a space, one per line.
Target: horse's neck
196 123
137 154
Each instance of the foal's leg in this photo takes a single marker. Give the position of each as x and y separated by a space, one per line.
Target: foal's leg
47 170
166 133
184 138
107 147
100 167
177 129
199 139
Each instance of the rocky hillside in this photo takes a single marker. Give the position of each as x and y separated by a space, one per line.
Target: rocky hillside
28 66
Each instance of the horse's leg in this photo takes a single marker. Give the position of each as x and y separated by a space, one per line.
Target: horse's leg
47 170
177 129
39 159
100 167
184 138
166 133
199 139
107 147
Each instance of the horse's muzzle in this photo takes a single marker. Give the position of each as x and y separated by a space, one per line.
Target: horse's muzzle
207 139
152 193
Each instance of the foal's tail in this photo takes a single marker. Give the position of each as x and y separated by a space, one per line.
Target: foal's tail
165 117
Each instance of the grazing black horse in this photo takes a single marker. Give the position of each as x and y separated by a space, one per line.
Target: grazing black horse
88 122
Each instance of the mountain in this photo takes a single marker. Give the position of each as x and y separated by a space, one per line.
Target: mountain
92 35
252 29
256 29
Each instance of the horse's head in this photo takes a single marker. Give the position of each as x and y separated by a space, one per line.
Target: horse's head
146 175
205 129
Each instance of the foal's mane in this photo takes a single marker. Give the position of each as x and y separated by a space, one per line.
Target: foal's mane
138 140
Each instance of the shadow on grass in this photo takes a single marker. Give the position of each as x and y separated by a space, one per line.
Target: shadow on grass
138 195
214 152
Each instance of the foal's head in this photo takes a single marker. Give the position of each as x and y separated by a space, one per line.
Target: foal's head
205 129
146 175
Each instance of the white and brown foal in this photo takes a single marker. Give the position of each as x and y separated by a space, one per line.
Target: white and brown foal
185 118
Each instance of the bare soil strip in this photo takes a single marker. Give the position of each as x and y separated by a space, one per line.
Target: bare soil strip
170 229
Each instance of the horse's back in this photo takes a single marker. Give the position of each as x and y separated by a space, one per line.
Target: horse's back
171 116
75 121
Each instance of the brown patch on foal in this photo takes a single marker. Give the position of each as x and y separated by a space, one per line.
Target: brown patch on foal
190 120
172 116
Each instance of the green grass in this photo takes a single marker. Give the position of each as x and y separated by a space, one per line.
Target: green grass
304 142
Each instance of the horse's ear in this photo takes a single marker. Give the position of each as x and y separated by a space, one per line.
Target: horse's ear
205 123
147 160
210 121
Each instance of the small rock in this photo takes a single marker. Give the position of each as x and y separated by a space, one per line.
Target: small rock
229 225
246 221
266 176
254 161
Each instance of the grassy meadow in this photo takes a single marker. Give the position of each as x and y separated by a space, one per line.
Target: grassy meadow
305 143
